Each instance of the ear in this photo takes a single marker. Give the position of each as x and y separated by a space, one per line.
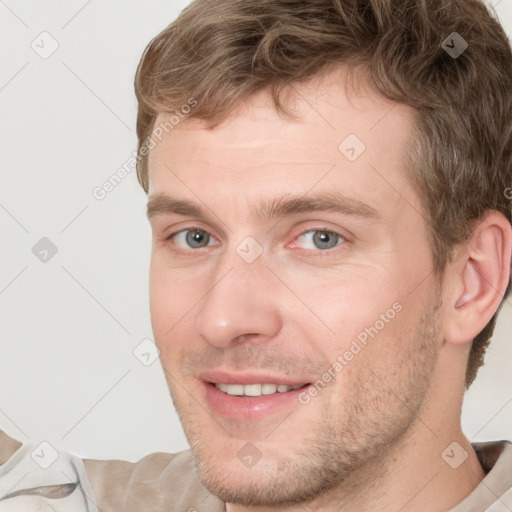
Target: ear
476 281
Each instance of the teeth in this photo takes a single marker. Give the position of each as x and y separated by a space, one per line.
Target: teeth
234 389
268 389
252 390
255 389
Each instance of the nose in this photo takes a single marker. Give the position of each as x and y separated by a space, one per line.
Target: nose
241 306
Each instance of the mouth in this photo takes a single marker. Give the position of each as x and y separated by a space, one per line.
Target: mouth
250 398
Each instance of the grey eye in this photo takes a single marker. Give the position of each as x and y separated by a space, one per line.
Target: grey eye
325 239
192 239
196 238
317 239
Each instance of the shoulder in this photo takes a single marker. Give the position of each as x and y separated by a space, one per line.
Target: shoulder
494 455
494 493
152 483
158 482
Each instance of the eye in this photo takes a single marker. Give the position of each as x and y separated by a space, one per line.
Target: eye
192 239
316 239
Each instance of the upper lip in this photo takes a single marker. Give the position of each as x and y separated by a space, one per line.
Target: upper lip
233 377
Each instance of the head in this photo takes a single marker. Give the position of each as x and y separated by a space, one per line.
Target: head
327 185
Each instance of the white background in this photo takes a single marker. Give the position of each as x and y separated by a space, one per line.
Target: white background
69 326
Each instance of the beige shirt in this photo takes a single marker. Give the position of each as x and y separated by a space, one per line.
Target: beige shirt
162 482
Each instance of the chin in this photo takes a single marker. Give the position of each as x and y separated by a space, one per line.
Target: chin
269 474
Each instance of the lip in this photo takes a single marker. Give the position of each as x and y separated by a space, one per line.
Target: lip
247 409
228 377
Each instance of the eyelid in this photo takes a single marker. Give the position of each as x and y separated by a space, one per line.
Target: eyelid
192 225
322 225
168 238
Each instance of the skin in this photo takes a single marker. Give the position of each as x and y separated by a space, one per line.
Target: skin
373 438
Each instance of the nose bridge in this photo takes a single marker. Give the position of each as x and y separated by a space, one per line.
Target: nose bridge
239 300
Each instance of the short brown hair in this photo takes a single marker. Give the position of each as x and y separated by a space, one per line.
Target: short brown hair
219 52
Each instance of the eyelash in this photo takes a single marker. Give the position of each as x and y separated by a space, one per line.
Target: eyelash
315 252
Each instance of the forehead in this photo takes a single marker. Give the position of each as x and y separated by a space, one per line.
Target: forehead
361 134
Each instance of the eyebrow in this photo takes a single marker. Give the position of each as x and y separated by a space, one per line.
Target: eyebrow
161 204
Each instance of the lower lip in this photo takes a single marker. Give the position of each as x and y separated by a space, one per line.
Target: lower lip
248 408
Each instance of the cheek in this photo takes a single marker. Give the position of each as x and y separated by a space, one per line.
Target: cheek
355 318
160 300
169 301
344 302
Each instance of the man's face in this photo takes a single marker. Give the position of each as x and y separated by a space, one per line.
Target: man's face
299 259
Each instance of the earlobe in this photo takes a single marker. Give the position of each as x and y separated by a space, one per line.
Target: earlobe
478 279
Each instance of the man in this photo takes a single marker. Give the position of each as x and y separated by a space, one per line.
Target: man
327 191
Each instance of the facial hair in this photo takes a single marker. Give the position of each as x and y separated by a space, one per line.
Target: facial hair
377 411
